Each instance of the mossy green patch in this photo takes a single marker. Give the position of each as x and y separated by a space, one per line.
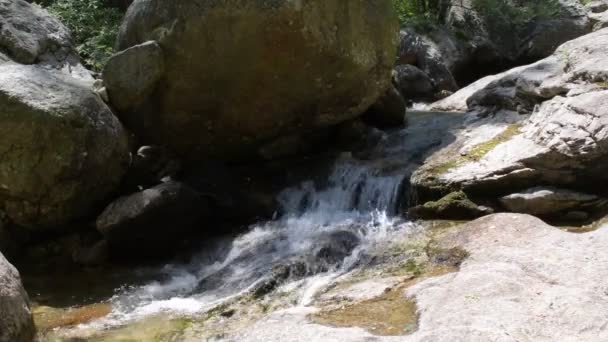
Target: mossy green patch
477 152
390 314
455 206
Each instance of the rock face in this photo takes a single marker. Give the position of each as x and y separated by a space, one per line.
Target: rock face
517 256
63 151
152 219
16 323
263 70
539 124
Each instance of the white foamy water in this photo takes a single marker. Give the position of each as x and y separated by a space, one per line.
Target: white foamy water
355 205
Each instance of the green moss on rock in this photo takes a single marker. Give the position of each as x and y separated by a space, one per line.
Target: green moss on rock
478 151
454 206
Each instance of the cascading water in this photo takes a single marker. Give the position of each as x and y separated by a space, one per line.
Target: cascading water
356 199
325 230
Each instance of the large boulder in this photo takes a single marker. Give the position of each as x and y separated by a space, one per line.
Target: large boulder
428 53
63 151
30 35
16 322
545 123
240 74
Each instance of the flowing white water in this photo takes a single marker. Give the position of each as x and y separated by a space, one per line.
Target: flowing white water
328 229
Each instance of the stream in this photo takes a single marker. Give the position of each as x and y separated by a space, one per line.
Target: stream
327 229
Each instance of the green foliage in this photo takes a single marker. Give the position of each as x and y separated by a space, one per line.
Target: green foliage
93 25
421 12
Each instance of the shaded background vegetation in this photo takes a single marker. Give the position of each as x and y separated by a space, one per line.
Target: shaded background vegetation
94 25
504 14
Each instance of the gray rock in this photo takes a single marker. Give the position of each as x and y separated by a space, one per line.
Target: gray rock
131 76
562 142
16 323
30 35
63 151
388 111
413 83
599 20
545 201
425 53
570 22
457 102
597 6
265 70
153 219
517 257
29 31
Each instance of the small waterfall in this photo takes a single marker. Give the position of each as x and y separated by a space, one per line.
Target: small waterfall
326 229
352 186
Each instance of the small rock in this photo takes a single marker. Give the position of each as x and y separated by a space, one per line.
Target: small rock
153 219
548 201
413 83
455 206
